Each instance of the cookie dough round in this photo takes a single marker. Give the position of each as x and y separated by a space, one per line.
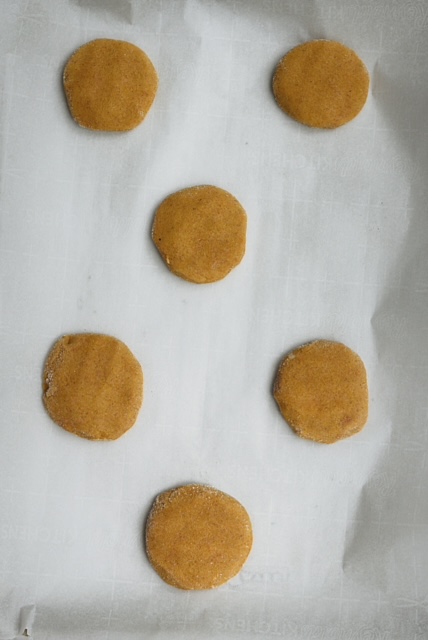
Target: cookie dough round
197 537
321 390
92 386
110 85
321 84
200 233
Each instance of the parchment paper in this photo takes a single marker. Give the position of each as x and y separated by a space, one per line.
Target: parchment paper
337 237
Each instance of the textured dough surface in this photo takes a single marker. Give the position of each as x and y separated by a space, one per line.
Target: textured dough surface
321 390
200 233
110 85
93 386
321 84
197 537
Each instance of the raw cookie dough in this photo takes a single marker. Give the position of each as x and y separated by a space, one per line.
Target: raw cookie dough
200 233
197 537
321 390
110 85
92 386
321 83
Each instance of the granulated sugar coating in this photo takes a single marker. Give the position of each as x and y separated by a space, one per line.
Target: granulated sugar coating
110 85
321 84
92 386
197 537
321 390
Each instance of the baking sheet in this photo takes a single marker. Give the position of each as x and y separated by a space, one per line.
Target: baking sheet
337 239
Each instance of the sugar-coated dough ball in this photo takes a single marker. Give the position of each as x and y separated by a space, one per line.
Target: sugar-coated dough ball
92 386
200 233
197 537
321 83
321 390
110 85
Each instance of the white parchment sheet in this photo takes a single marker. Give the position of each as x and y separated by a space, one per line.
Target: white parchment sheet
337 249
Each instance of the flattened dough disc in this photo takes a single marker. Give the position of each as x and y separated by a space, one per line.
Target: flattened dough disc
321 390
321 83
197 537
92 386
110 85
200 233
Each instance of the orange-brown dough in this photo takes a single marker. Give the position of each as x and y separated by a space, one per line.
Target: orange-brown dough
92 386
110 85
321 390
321 83
197 537
200 233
